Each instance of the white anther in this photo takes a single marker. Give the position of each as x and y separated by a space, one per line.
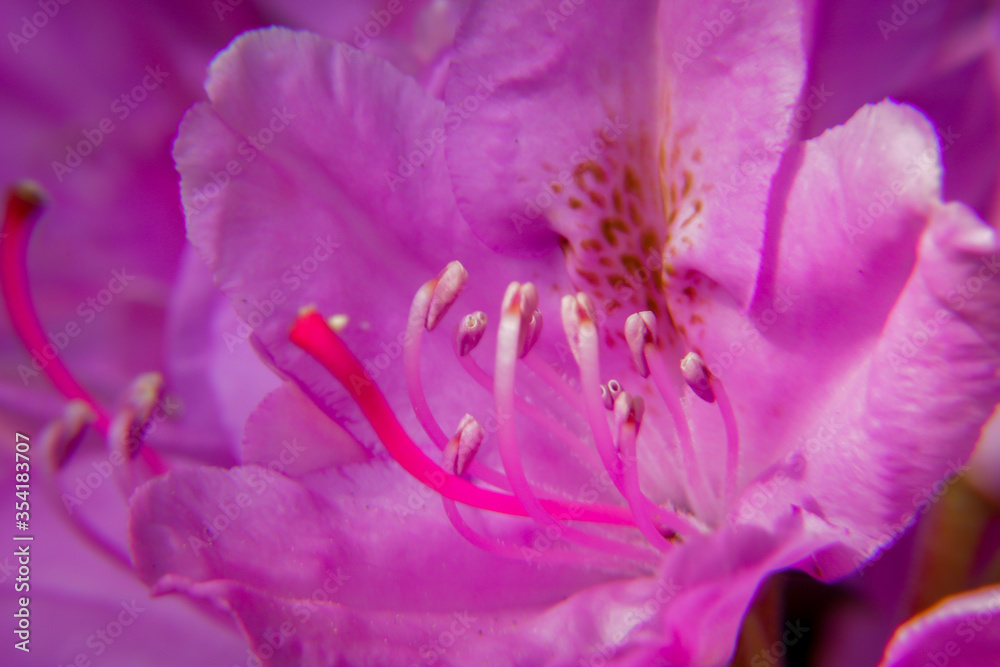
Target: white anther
470 331
447 286
640 328
695 373
462 448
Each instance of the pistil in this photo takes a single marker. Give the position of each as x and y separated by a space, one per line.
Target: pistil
311 332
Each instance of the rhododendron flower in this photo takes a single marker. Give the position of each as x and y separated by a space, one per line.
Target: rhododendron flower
751 314
734 376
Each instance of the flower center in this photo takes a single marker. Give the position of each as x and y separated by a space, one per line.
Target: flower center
612 414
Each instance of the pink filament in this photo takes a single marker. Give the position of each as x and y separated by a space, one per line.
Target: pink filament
503 384
311 333
506 550
633 493
590 368
590 365
532 412
668 520
415 390
689 460
732 438
414 384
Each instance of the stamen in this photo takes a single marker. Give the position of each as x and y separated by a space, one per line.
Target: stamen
640 329
615 389
64 435
55 449
695 373
54 441
456 457
311 333
638 409
609 403
25 204
461 449
581 334
448 285
127 432
630 407
469 332
629 414
508 341
693 472
526 297
416 324
709 387
534 332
